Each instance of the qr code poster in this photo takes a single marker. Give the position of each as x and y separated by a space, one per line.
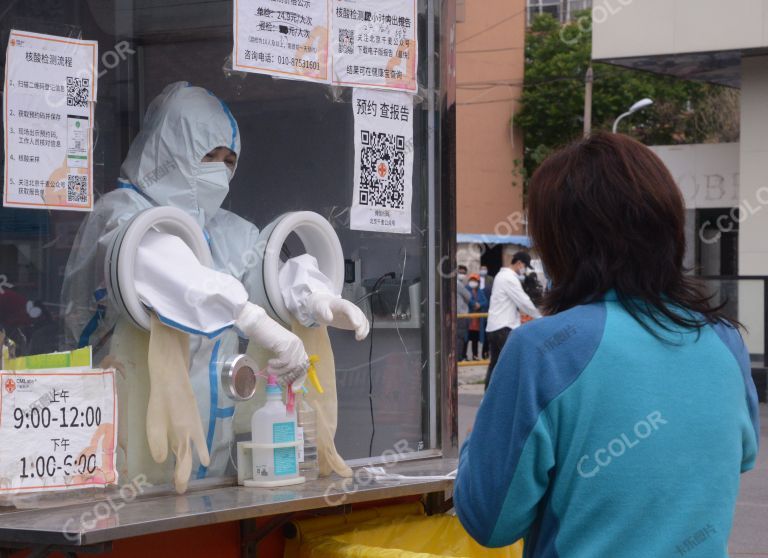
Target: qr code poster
374 44
50 91
383 174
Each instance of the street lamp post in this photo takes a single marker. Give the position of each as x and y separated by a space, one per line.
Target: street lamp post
640 105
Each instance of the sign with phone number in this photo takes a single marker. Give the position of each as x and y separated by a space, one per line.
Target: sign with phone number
57 430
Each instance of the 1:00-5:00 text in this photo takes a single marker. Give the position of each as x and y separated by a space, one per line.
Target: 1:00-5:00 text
42 467
71 417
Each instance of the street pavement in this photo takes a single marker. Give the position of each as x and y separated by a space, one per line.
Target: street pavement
749 537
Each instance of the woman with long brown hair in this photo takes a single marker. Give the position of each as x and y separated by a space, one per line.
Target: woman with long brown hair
619 424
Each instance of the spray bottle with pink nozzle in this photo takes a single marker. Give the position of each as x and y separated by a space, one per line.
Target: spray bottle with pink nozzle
272 457
274 443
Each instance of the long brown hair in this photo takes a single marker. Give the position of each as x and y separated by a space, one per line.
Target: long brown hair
605 213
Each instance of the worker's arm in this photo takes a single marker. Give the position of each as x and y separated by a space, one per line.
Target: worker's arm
308 295
191 297
505 463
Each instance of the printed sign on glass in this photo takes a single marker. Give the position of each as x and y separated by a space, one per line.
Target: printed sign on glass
374 44
50 89
58 430
283 38
383 188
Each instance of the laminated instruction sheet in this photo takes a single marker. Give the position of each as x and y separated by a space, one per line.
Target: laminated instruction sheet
354 43
282 38
50 89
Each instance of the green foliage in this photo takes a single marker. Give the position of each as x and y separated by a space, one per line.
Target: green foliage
557 59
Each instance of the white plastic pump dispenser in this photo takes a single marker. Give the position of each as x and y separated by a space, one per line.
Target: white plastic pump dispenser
274 443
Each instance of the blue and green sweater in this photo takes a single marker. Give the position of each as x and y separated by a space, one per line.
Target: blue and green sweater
598 439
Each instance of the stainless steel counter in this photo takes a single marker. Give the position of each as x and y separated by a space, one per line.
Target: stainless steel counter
115 518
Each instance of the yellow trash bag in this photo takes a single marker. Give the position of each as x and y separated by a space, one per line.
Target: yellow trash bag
397 534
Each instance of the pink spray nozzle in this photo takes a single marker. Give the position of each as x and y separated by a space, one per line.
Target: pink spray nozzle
272 380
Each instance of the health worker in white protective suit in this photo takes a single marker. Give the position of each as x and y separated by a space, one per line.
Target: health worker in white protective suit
185 156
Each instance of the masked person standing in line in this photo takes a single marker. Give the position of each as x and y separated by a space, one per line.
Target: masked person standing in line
462 307
477 303
486 283
507 300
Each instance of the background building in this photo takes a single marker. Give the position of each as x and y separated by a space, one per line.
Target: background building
718 42
490 42
563 10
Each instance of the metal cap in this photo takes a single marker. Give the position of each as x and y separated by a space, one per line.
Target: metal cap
238 377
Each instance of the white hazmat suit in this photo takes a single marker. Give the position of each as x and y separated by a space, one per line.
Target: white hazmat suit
164 168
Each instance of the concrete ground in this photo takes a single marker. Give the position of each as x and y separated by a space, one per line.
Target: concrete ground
749 537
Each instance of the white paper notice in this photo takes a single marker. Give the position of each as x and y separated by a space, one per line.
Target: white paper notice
284 38
57 430
50 88
374 44
383 161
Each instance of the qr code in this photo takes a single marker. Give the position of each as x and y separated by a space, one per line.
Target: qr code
77 188
382 170
346 41
78 91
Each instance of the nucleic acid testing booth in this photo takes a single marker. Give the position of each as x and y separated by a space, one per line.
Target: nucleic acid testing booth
227 244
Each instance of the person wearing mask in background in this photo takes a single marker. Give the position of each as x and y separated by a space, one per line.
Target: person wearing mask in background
462 307
508 299
477 303
486 283
618 425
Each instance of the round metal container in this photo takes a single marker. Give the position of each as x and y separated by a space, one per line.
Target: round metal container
239 377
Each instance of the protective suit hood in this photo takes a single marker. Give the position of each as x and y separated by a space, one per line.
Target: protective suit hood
181 126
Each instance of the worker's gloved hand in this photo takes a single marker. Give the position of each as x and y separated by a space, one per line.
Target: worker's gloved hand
291 362
172 415
331 310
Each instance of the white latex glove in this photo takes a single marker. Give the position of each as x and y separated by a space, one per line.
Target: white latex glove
291 362
331 310
172 415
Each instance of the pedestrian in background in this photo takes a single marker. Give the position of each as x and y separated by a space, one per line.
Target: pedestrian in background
462 307
477 303
508 299
618 425
486 283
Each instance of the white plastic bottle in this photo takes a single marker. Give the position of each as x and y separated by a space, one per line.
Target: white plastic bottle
308 465
274 440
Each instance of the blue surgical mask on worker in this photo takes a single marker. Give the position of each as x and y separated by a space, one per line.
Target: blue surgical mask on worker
483 272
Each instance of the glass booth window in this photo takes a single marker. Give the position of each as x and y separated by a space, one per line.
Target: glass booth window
296 155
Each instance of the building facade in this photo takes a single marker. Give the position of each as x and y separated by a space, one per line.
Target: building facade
563 10
717 42
490 65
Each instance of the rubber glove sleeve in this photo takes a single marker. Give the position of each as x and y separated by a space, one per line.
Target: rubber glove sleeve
308 295
332 310
172 414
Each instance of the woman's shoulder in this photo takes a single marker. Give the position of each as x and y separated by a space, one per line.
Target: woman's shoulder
581 326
